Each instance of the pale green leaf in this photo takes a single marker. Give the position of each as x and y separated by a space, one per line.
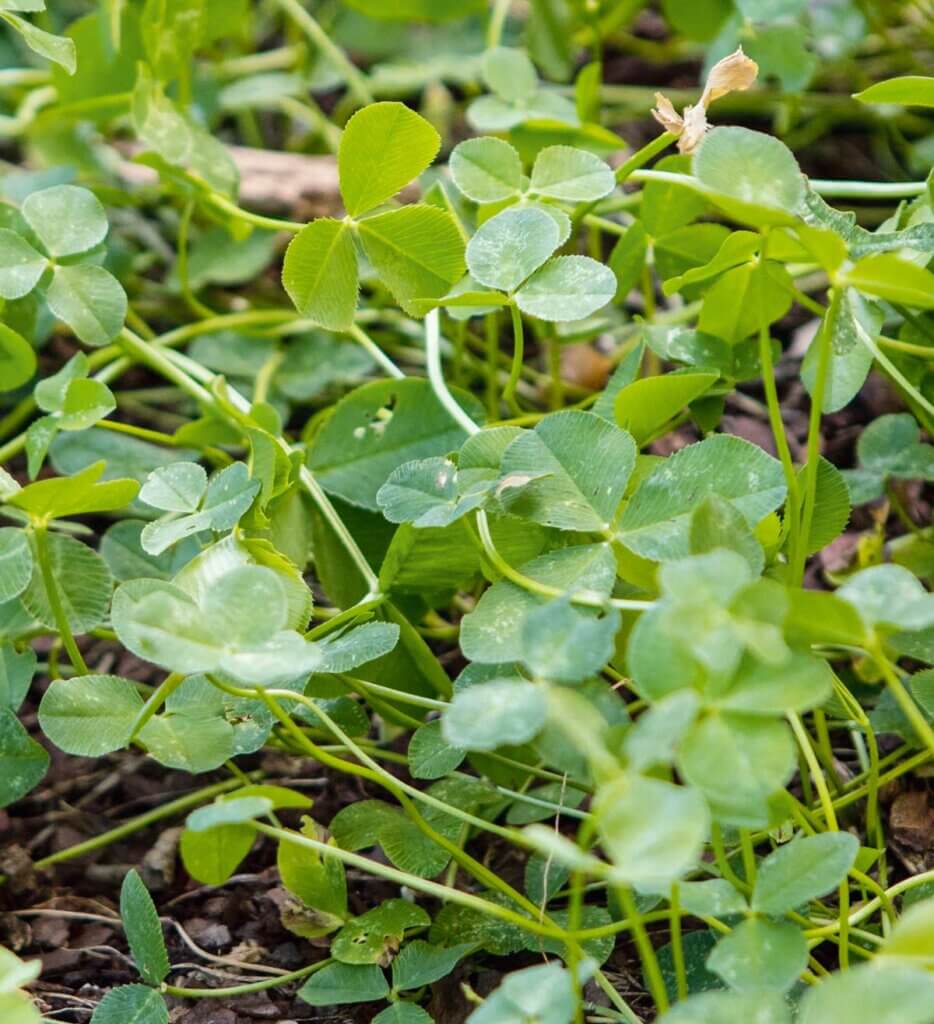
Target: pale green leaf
319 273
806 869
131 1004
67 219
509 73
420 963
511 246
878 993
647 404
494 714
890 277
656 521
486 170
58 49
760 956
83 581
571 175
143 930
90 300
20 265
430 755
652 831
90 715
23 762
417 251
384 146
906 90
15 563
340 983
570 472
368 939
567 288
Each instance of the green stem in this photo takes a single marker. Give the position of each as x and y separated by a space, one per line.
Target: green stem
55 599
356 83
158 697
375 352
242 990
824 340
646 950
904 699
518 353
183 803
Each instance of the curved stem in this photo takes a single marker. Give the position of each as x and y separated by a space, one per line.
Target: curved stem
518 353
43 557
242 990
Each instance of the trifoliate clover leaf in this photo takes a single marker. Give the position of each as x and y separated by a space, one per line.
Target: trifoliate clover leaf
193 504
890 448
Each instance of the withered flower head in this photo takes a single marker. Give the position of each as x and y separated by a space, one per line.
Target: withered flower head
732 74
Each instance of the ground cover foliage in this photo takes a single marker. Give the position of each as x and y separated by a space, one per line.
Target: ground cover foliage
525 541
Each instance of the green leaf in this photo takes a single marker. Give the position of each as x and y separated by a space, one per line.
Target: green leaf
751 176
627 260
910 939
495 714
570 472
212 857
509 73
656 521
403 1013
563 644
374 936
58 49
831 506
511 246
16 672
84 585
319 273
544 994
15 563
571 175
798 683
738 762
339 983
317 879
567 288
23 762
430 755
225 500
143 930
67 219
17 359
889 596
131 1004
383 148
906 90
425 493
652 831
668 205
81 494
647 404
492 632
90 715
742 298
881 993
656 733
486 170
234 811
715 523
188 743
178 487
420 963
760 956
850 359
20 265
889 277
714 897
376 429
417 251
90 300
730 1008
803 870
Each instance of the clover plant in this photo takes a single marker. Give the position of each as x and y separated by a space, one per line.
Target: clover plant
624 681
